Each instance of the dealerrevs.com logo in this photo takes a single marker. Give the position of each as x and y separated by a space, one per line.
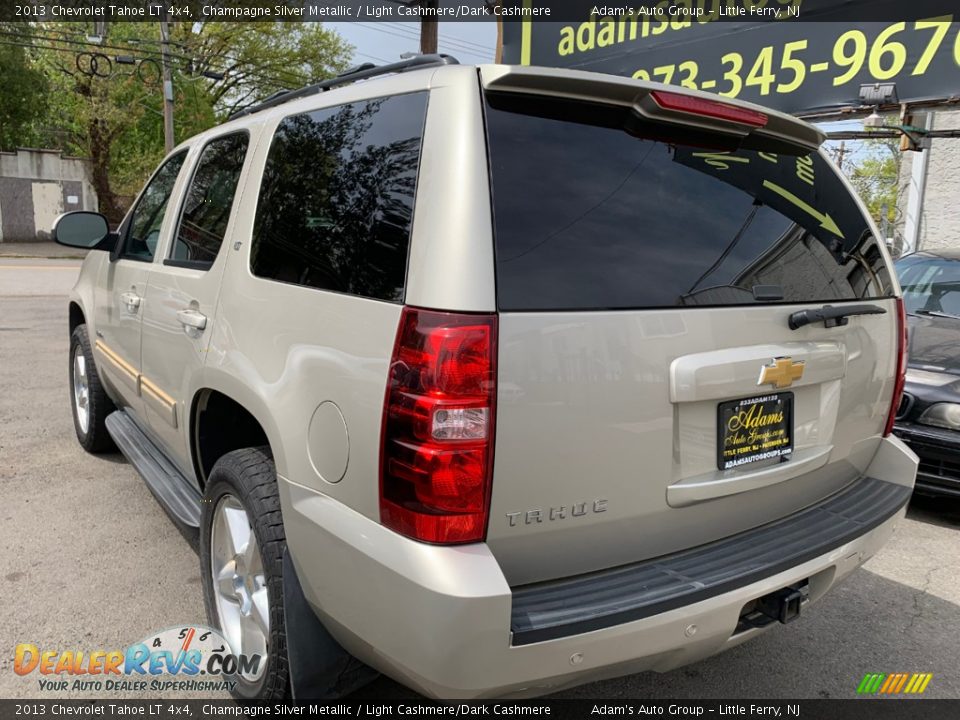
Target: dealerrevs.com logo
182 658
894 683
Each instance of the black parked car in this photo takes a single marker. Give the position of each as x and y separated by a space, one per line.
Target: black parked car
928 419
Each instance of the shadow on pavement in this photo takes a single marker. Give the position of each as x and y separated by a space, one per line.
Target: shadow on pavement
936 510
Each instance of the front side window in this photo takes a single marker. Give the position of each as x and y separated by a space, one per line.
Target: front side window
336 200
144 230
207 206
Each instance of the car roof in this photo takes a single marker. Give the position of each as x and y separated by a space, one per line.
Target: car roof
369 80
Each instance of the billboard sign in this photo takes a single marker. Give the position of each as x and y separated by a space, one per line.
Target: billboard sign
799 56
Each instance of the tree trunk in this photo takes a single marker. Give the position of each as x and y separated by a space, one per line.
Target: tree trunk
100 142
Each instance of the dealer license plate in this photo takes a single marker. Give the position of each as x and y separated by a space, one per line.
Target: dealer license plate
754 429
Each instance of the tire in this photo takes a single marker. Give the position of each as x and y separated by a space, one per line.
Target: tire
246 480
88 400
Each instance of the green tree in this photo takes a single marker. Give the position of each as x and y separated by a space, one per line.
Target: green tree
260 58
115 118
875 179
23 94
873 169
94 116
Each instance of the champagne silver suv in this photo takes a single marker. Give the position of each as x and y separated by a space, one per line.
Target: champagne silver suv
498 379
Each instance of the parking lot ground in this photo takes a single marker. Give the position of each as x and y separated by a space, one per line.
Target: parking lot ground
90 561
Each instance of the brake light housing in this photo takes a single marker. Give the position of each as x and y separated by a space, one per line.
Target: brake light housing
901 361
436 450
678 102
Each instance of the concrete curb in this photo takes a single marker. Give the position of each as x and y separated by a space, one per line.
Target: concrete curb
40 250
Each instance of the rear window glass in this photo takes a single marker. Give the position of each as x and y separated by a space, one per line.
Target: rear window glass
589 215
336 199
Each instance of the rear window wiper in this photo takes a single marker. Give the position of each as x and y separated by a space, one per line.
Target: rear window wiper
936 313
831 315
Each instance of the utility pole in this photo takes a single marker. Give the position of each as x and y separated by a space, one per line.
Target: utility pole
841 153
167 86
428 29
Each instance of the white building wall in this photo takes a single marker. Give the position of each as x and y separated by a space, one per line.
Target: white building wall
939 217
35 187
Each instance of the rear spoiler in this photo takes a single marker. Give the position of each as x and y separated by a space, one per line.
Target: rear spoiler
656 102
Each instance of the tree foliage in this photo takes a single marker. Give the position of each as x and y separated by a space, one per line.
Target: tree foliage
260 58
50 96
875 179
873 169
23 90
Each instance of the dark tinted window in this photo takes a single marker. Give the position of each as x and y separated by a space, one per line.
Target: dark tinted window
206 208
337 197
593 210
147 217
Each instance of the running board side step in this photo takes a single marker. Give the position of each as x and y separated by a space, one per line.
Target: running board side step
167 484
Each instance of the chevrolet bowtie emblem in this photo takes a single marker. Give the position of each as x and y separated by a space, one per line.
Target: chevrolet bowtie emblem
781 372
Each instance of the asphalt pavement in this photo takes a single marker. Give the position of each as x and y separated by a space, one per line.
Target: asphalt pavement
90 561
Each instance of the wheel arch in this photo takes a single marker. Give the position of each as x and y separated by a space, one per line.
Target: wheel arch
75 315
223 419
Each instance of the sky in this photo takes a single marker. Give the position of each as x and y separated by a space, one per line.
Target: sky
474 42
383 42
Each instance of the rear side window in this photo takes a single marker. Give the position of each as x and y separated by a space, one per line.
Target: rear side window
206 209
594 211
336 200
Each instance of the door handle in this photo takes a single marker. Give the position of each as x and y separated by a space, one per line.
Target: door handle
132 302
192 319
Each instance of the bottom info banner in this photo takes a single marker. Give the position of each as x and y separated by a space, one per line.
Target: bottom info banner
864 709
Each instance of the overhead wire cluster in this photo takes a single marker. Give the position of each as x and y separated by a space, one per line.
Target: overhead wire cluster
93 59
447 43
96 62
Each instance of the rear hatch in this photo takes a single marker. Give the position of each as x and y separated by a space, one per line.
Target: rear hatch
652 395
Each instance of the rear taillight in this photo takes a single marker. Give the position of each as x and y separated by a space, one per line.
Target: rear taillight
436 453
708 108
901 366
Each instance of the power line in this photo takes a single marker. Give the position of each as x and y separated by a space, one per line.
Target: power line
293 74
387 32
403 34
142 54
372 57
152 54
462 52
463 46
452 40
274 82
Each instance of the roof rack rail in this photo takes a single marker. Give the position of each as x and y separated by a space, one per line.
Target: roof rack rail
359 72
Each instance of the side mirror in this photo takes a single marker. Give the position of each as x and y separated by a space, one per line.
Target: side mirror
83 229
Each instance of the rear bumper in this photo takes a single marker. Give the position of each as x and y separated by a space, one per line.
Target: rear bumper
575 605
939 453
439 618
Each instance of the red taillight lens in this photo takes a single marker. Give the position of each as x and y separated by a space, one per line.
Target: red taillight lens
901 366
436 455
708 108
